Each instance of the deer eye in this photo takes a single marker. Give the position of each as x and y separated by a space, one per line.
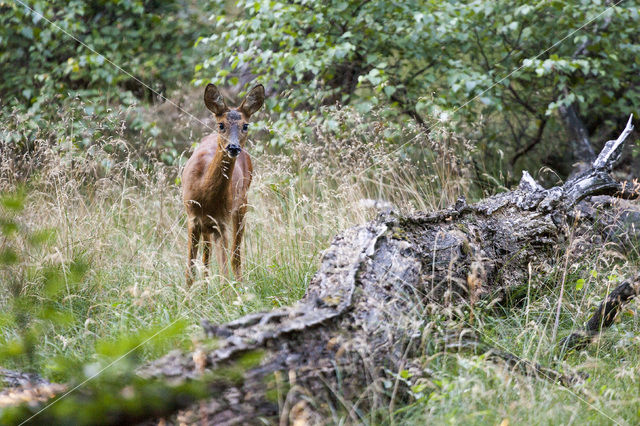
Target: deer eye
221 126
245 127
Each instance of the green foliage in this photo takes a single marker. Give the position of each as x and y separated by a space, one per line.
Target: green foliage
429 57
150 40
321 53
556 62
43 69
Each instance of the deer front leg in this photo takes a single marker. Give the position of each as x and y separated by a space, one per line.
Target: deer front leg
221 252
238 231
194 232
206 251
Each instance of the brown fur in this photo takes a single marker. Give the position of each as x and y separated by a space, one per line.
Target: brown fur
215 184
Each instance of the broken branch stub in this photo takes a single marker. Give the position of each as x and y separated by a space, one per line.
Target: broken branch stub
612 150
603 316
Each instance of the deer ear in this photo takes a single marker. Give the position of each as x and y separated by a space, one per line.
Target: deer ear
214 100
253 101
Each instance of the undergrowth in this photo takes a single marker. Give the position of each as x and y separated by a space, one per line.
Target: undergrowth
115 217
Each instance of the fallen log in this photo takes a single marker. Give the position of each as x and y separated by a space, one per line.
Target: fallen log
361 324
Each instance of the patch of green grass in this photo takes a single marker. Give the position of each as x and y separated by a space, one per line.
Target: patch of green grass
133 254
466 388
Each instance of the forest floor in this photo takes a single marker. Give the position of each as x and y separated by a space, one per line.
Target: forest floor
99 260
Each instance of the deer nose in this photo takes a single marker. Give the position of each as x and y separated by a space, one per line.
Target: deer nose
234 150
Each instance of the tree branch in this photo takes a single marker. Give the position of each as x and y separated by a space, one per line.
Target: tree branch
603 317
536 140
410 111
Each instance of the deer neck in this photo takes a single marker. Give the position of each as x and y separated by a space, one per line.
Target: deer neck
219 173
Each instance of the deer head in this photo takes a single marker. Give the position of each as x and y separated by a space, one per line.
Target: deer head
233 123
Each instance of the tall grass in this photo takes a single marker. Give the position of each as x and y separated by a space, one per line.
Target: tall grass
119 213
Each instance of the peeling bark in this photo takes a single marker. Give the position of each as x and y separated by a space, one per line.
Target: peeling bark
18 388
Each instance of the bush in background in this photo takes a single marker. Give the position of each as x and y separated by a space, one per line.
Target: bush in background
430 58
43 70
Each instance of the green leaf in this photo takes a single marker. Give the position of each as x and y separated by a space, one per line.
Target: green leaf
27 32
389 90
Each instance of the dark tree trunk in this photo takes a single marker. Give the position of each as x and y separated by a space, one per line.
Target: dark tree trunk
580 145
360 322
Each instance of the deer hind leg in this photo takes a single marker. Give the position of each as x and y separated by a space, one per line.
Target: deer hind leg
238 231
194 232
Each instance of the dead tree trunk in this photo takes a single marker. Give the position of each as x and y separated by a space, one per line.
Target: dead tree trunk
361 320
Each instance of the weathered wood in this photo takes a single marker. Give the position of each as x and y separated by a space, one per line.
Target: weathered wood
17 388
361 320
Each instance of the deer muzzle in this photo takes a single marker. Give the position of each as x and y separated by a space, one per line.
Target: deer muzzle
234 149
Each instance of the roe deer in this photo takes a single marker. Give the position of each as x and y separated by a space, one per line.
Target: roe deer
215 181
